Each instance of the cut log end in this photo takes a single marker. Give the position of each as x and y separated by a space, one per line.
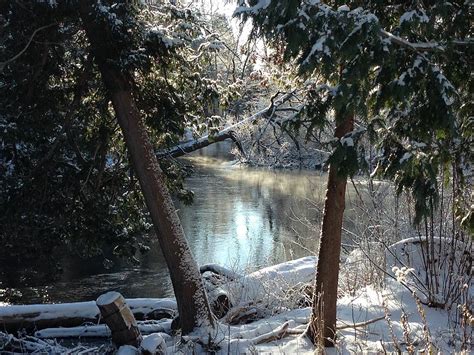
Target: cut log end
107 298
119 318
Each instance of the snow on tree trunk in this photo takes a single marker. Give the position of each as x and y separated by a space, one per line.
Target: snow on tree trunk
188 287
323 318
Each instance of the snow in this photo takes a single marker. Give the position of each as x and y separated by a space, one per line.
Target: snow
108 298
446 88
153 343
318 47
343 8
272 281
369 319
401 79
419 15
347 142
127 350
86 310
220 270
51 3
255 9
168 37
408 260
51 311
101 330
405 157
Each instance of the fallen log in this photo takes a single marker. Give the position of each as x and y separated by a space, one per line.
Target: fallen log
119 318
225 133
220 270
41 316
30 345
102 331
196 144
275 282
250 297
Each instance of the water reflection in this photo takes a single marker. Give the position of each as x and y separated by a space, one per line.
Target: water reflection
243 218
246 218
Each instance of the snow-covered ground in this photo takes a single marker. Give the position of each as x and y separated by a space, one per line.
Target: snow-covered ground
372 320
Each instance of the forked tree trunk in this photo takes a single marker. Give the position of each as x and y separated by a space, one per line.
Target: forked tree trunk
193 306
323 318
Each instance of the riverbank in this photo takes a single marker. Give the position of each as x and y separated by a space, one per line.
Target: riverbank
242 218
269 314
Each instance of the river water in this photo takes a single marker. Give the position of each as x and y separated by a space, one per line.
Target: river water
243 218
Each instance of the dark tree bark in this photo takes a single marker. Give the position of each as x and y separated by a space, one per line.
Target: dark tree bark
191 298
323 318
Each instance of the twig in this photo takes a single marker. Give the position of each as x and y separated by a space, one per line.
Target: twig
276 334
3 64
360 324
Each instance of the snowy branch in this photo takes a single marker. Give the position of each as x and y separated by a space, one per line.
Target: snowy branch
423 46
226 133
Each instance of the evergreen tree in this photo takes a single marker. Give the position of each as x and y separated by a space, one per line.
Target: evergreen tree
65 178
71 69
399 72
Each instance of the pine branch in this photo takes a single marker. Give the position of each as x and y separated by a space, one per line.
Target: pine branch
424 46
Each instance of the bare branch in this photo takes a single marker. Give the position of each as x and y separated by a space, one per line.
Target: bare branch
3 64
360 324
226 133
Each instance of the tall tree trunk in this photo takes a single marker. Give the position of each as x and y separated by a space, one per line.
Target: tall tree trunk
323 318
191 298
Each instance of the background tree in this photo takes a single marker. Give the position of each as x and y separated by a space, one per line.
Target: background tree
61 145
398 72
188 286
62 150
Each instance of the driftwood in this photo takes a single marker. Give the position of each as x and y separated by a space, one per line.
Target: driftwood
218 297
41 316
243 314
119 318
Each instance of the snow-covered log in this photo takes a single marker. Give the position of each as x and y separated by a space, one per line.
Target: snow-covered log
10 344
196 144
220 270
102 331
266 289
226 133
40 316
272 282
153 344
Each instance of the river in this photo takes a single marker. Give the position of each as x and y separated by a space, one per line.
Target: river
242 217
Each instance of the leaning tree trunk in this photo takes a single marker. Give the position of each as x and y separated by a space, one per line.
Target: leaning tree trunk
193 306
323 319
